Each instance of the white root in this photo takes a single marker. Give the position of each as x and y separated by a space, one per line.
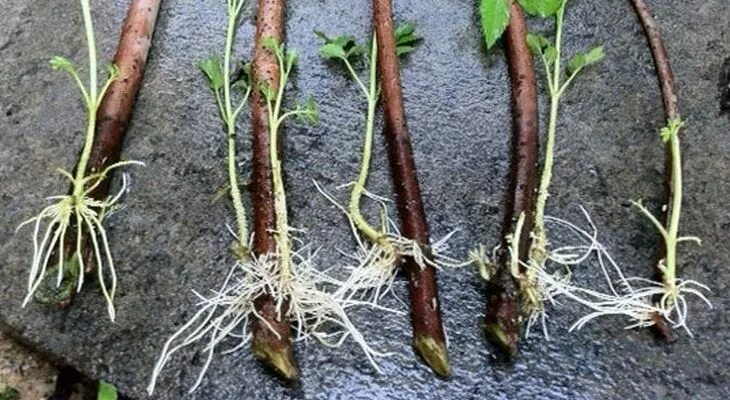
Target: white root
372 276
315 310
632 298
86 215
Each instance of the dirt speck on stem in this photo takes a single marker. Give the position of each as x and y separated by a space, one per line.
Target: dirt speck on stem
724 87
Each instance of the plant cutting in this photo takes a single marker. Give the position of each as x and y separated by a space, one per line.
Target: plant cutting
524 250
629 297
280 288
272 335
381 249
503 312
669 296
661 305
69 238
428 333
558 81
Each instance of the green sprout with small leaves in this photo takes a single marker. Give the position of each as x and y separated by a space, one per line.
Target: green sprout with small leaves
671 294
287 59
379 248
668 265
78 211
551 55
218 74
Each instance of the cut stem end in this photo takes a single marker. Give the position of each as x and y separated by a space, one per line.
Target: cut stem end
277 358
661 328
55 293
503 339
433 353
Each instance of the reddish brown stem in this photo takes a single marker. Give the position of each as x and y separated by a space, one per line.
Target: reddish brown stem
428 333
116 108
271 335
661 327
114 114
502 319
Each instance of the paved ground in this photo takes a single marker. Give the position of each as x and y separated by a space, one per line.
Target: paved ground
25 371
30 374
171 239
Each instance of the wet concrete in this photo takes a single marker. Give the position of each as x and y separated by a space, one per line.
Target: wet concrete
171 238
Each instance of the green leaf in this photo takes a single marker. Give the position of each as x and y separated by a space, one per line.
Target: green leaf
308 113
106 391
672 128
405 34
495 18
243 77
240 86
356 51
272 44
322 36
541 8
582 60
537 43
211 67
9 393
551 54
404 29
344 41
292 57
403 50
332 51
113 71
340 47
63 64
405 38
594 56
266 90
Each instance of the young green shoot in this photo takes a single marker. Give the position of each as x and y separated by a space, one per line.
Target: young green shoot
670 235
671 298
219 79
558 80
303 294
78 211
380 248
218 75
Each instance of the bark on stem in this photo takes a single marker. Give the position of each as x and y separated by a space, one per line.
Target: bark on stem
502 318
273 347
428 333
661 327
114 114
116 108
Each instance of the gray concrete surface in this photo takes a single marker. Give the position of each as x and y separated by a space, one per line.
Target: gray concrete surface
170 239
